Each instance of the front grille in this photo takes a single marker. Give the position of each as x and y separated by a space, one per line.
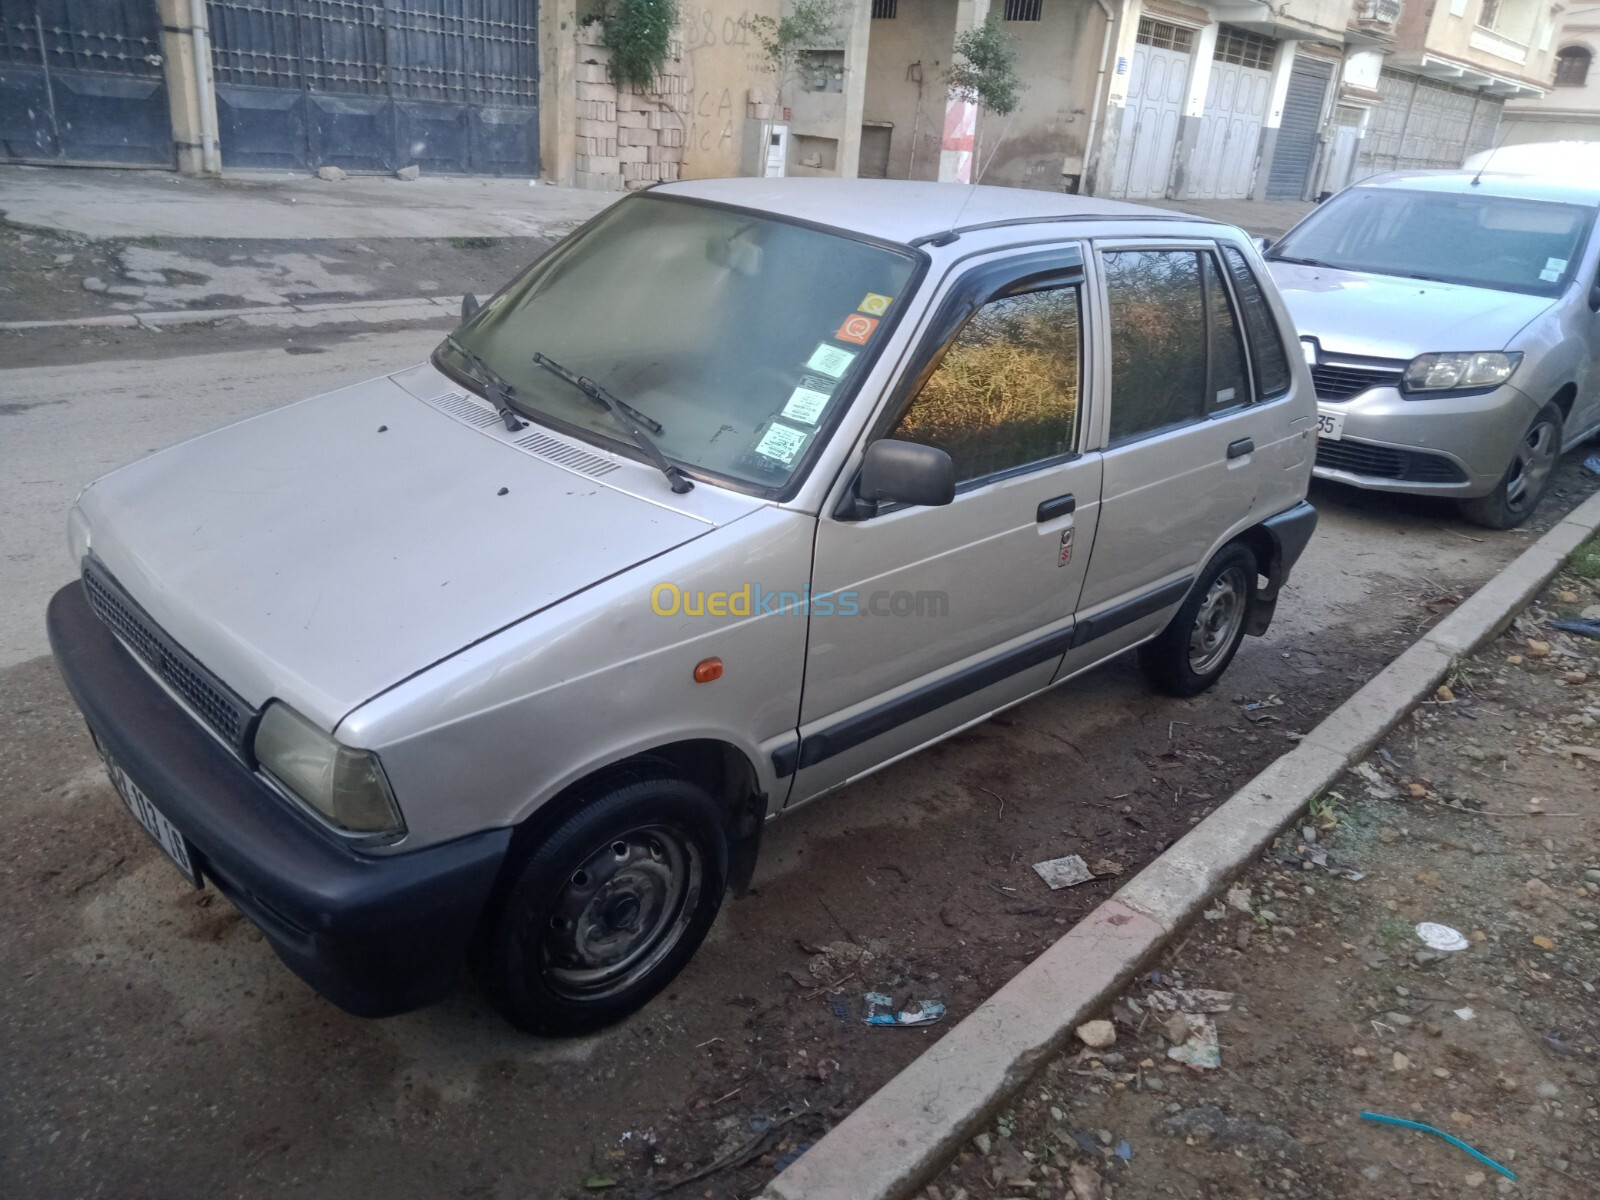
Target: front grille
1384 462
1340 382
225 712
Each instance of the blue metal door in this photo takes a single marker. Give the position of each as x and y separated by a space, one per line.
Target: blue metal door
81 82
369 85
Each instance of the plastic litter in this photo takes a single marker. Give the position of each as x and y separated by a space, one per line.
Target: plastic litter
1065 872
1200 1049
881 1010
1592 464
1190 1000
1124 1151
1466 1014
1441 937
1454 1141
1584 627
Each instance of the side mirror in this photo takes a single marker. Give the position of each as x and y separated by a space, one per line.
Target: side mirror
469 305
897 472
1594 298
1263 244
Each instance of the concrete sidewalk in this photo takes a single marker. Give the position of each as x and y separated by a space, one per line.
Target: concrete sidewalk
1265 218
284 205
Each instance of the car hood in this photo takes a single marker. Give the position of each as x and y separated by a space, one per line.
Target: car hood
1353 312
323 552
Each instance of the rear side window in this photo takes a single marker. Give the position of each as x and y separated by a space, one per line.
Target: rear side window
1005 395
1158 340
1266 346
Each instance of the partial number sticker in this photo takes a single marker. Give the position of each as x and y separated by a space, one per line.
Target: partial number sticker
805 405
781 443
831 361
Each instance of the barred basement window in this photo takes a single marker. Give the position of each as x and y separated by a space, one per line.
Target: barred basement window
1244 48
1165 36
1024 10
1572 66
884 10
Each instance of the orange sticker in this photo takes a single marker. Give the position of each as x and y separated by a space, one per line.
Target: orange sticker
857 329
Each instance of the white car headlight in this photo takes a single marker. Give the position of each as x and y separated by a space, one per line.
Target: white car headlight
345 785
1455 371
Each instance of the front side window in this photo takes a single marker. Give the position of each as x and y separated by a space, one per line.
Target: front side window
1499 242
1005 394
740 336
1158 340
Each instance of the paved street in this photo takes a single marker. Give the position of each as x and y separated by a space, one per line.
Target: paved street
155 1047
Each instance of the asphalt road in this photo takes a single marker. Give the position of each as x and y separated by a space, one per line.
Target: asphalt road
154 1047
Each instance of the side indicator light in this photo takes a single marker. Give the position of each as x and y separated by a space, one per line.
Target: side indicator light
707 669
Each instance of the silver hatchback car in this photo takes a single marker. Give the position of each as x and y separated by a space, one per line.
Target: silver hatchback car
744 491
1450 322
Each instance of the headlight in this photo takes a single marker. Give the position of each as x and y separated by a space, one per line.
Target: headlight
345 785
1463 369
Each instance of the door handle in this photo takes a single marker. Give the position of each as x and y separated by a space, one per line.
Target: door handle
1060 506
1242 447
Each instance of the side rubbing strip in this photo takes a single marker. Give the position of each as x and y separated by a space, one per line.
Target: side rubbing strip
852 731
1130 611
785 757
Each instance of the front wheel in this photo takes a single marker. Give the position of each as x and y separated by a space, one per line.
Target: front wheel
1195 648
1524 484
606 910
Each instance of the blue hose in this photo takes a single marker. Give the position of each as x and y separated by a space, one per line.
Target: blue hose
1454 1141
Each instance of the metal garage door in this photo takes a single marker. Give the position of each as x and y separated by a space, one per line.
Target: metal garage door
1296 154
1157 84
80 81
1236 104
1420 123
450 85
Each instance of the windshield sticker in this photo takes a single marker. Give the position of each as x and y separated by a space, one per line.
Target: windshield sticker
806 405
831 361
875 305
857 329
1549 276
781 443
1557 265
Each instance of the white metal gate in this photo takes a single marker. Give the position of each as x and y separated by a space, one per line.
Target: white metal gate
1236 105
1423 124
1157 84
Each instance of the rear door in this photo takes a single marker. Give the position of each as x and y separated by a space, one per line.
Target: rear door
1186 443
924 619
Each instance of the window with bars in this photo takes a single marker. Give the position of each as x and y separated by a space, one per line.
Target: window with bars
1572 66
1245 49
1164 35
1024 10
885 10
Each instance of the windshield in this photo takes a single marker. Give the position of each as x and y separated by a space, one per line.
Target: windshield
1496 242
739 336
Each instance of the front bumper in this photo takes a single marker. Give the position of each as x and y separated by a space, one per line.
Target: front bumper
1448 446
377 935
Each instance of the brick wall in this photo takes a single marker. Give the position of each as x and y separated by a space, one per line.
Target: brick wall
627 138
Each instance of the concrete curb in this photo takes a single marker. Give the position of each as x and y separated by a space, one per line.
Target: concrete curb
905 1132
279 316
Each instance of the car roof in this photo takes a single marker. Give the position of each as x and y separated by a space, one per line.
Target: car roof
905 211
1490 183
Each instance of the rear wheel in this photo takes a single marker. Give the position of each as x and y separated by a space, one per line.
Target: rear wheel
1195 648
1524 484
606 910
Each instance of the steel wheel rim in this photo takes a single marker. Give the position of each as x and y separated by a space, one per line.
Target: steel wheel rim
621 911
1220 617
1536 458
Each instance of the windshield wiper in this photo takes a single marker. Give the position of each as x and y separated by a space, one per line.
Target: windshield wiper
1302 262
496 389
627 416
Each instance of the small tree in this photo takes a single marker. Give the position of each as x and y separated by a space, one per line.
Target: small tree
639 35
809 23
985 73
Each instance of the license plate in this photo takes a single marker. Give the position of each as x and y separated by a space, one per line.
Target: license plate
1330 425
162 831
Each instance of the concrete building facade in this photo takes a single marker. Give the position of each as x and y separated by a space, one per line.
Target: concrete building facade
1570 111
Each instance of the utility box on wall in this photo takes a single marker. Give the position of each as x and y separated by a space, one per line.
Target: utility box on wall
765 149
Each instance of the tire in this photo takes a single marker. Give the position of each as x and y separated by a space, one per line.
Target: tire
1527 478
603 913
1195 648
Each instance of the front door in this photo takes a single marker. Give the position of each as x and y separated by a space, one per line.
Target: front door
1185 441
926 619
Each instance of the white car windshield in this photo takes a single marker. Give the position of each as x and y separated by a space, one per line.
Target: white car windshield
1499 242
734 338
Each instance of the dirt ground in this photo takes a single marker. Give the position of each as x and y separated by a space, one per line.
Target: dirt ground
53 275
1478 813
